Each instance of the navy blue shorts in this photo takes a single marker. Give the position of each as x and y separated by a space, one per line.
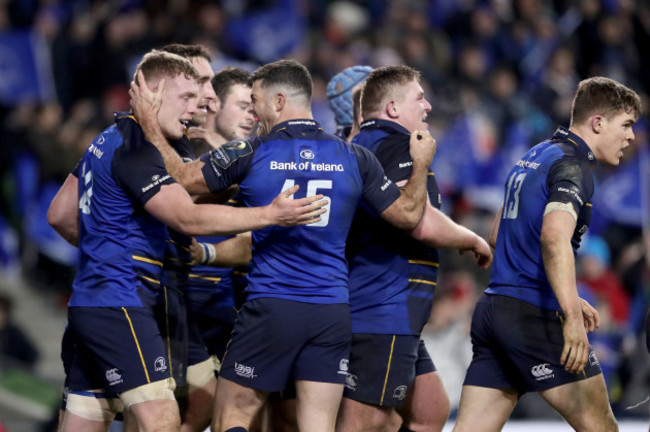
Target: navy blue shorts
382 368
276 340
117 349
424 364
171 315
518 345
212 321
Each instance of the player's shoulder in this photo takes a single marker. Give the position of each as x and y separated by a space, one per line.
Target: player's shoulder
130 131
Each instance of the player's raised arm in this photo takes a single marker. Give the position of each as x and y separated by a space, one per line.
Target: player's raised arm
406 212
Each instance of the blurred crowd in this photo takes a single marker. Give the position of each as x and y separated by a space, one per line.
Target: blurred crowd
500 75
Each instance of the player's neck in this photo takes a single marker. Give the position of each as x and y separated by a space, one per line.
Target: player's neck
293 113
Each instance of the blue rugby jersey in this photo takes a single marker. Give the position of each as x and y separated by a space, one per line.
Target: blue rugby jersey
392 276
305 263
556 170
120 245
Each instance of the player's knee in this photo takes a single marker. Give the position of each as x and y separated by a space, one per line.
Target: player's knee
591 423
92 407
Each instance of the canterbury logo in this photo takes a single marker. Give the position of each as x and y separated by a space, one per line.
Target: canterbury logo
541 371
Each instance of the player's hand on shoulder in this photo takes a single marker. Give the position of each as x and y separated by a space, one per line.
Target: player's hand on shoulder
422 147
285 211
145 102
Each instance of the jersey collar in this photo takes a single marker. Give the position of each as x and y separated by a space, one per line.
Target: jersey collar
300 125
565 134
387 125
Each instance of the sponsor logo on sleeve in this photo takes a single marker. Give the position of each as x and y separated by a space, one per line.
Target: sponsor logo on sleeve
156 180
573 191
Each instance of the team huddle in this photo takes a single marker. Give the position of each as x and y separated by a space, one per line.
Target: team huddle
243 269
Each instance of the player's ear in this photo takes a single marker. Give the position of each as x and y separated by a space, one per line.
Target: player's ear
391 109
279 101
597 123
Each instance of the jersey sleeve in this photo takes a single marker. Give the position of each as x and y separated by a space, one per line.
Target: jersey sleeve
75 170
570 181
227 165
140 170
393 155
379 192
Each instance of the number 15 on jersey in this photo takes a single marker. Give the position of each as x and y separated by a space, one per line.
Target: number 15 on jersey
312 187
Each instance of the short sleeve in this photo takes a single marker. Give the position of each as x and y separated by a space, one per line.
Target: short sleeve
227 165
139 169
379 192
394 156
570 181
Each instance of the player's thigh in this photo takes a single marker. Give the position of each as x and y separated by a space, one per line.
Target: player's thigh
235 404
426 407
357 416
484 409
317 404
584 404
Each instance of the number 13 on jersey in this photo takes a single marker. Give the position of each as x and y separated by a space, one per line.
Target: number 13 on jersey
511 204
312 188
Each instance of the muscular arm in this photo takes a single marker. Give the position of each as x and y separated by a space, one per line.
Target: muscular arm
173 206
406 212
63 214
559 264
439 231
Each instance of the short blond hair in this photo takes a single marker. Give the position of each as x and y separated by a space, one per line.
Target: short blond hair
158 64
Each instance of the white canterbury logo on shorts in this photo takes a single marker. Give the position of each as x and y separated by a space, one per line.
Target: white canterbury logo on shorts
542 372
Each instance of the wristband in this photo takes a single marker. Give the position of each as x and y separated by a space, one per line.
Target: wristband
209 253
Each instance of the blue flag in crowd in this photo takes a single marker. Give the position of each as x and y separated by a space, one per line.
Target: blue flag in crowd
267 34
623 196
25 69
